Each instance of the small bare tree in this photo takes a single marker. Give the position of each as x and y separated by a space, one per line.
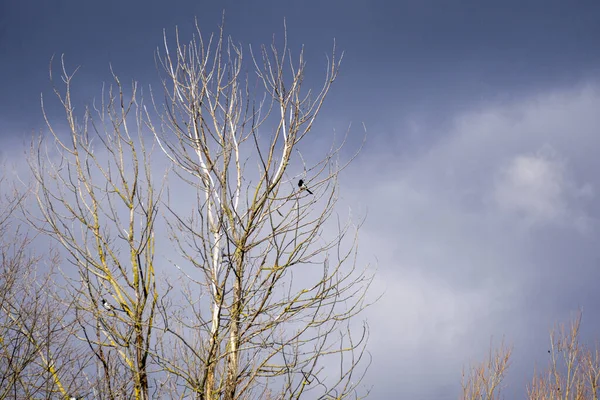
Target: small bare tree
271 287
37 358
99 202
484 381
574 369
573 372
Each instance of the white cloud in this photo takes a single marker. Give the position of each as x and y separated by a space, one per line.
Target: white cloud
539 188
533 185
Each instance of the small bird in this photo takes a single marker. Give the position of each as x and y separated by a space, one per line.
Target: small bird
76 398
302 186
107 306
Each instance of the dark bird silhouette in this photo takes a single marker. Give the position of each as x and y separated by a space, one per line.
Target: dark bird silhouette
107 306
302 186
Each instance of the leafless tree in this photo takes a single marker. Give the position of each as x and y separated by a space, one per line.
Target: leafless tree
574 369
484 381
271 282
268 281
37 359
97 198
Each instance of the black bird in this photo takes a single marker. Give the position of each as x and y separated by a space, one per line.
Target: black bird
107 306
302 186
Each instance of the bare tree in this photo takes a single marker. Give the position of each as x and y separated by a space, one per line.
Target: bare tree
484 381
98 200
268 278
573 371
37 358
271 283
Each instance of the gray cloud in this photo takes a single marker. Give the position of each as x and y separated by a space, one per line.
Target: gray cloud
488 232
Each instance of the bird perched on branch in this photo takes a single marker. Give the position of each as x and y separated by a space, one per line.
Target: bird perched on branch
107 305
302 186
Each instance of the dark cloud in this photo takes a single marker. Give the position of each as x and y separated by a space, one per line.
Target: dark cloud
401 57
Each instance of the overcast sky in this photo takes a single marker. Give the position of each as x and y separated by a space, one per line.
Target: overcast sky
480 174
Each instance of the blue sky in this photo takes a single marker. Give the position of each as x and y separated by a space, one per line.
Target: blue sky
479 176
